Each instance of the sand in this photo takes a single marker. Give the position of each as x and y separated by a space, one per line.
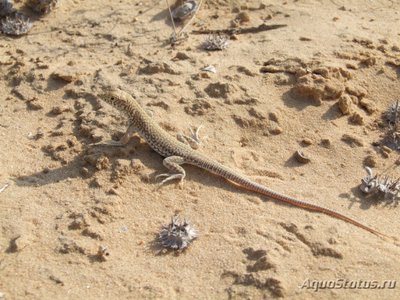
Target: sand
318 85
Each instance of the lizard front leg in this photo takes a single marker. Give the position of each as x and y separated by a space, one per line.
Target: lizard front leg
127 135
124 140
172 163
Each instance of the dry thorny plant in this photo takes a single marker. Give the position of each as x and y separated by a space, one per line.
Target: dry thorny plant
384 188
182 12
392 116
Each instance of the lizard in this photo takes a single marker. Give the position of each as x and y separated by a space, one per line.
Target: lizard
177 153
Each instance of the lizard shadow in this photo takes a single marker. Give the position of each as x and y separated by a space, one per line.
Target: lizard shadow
49 176
91 160
68 169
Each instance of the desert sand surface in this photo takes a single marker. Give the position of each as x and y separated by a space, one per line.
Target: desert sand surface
319 85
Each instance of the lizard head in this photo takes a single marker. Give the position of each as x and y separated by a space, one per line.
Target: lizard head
122 101
112 96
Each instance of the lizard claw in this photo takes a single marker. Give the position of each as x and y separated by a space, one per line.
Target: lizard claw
110 143
170 177
195 134
193 140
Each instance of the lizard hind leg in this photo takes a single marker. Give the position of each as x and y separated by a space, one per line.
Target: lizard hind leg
172 163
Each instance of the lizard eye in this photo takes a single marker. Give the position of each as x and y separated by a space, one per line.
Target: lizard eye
112 98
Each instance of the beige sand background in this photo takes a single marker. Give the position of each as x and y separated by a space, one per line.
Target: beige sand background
274 93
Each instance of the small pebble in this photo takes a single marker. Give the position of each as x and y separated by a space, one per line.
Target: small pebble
102 253
273 116
301 157
275 130
370 161
356 118
345 104
181 56
84 172
386 149
243 17
306 141
326 143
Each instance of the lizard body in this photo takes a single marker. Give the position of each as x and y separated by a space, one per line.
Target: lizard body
177 153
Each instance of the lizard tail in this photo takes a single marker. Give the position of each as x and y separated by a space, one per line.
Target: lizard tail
260 189
244 182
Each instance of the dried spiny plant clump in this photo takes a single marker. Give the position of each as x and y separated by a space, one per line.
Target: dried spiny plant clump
384 187
15 24
12 22
6 8
42 6
215 42
185 10
177 235
393 137
392 115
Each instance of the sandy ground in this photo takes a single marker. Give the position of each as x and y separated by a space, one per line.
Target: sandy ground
319 85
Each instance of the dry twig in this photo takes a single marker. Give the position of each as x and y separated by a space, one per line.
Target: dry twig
232 31
4 187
